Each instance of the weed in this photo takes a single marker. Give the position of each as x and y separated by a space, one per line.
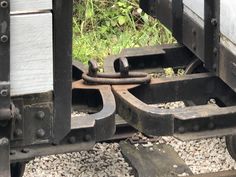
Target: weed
104 27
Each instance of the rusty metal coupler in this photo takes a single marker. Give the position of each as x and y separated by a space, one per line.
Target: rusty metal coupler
123 77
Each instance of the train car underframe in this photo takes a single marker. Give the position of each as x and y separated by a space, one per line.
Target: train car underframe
41 124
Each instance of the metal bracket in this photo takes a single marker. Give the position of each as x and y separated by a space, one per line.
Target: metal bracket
4 158
177 26
211 36
5 112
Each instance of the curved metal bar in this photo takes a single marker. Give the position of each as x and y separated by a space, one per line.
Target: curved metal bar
119 75
152 120
103 121
117 81
192 66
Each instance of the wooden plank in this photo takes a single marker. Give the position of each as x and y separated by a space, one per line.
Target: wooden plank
30 5
227 19
31 52
195 9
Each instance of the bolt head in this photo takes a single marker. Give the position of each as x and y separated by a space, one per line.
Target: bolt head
18 117
194 47
12 152
4 141
194 32
18 132
214 22
4 4
211 125
87 138
196 128
181 130
40 133
4 38
72 140
40 115
4 92
25 150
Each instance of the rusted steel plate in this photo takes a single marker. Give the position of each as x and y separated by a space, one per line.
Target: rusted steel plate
160 161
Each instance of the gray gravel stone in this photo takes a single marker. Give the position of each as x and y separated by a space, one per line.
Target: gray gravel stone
105 160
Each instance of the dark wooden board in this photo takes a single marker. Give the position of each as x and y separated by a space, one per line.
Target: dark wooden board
162 161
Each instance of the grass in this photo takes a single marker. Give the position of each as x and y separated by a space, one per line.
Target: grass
104 27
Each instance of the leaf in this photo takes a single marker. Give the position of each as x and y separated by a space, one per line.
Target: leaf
121 20
145 18
89 13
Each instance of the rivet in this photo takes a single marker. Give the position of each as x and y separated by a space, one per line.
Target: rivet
40 115
18 132
87 137
72 140
4 92
4 4
181 129
4 38
40 133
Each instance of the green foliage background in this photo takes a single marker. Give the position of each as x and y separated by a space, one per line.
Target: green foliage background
105 27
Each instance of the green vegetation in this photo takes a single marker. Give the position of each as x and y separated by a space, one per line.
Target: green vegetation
105 27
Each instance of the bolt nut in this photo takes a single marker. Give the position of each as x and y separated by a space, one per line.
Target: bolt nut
40 133
4 4
4 38
4 92
40 115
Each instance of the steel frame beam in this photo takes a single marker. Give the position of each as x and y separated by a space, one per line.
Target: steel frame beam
62 31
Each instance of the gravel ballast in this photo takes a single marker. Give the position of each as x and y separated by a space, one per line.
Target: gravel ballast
104 160
202 156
